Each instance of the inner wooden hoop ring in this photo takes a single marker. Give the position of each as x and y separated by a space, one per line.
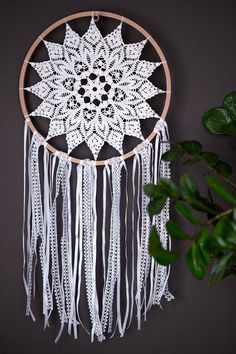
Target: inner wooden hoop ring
88 14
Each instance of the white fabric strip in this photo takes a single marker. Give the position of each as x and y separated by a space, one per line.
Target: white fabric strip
66 257
162 272
57 280
73 319
135 206
45 245
127 287
143 258
27 212
89 227
80 212
113 267
106 177
37 230
66 250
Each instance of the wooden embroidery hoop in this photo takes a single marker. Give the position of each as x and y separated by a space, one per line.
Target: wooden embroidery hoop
89 14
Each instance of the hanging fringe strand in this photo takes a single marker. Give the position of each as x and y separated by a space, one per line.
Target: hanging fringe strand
67 246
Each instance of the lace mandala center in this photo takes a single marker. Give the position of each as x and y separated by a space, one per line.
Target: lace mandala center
94 89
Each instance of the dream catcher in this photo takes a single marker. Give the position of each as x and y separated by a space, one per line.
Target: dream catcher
86 225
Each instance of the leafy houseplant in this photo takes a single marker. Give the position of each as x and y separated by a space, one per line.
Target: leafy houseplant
213 243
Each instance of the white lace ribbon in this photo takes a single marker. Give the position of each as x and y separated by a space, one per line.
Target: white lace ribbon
89 218
60 227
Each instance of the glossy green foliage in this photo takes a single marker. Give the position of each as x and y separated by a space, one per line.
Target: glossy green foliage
212 244
222 120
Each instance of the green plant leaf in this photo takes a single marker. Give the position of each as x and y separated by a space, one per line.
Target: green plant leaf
223 168
175 231
229 103
224 233
200 203
151 190
195 261
220 232
210 157
188 185
219 121
219 268
165 257
156 250
192 147
168 188
156 205
222 238
202 241
154 242
217 186
175 153
231 235
185 212
213 247
190 191
164 188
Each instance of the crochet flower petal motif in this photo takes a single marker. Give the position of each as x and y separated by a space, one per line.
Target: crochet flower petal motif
94 89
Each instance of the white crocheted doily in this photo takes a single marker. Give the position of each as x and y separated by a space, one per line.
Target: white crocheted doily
94 89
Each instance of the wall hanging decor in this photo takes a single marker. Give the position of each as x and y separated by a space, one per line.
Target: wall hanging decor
86 225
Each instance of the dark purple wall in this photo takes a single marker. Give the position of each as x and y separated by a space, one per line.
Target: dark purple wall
198 38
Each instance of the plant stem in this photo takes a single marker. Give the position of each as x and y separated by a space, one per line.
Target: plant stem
213 170
209 168
218 216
